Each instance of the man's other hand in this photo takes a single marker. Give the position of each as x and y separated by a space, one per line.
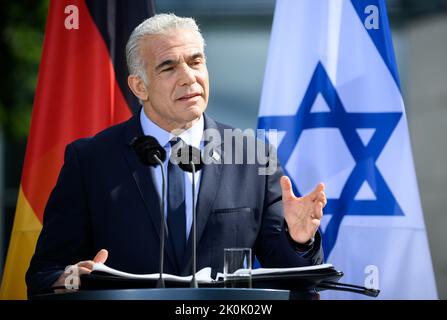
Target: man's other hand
70 279
302 214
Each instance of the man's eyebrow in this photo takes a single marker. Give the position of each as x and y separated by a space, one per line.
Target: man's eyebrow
196 55
165 63
171 62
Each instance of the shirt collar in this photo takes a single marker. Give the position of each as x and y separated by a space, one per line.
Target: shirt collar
192 136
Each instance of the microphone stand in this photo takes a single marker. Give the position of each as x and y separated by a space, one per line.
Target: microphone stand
160 281
151 153
194 234
193 155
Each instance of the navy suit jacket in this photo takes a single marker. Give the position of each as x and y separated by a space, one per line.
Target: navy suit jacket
106 198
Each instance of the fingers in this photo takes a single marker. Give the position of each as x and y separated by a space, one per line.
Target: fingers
79 268
318 190
86 264
318 211
85 267
319 195
320 187
286 187
101 256
83 270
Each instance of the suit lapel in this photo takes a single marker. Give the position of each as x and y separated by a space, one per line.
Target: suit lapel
209 184
145 182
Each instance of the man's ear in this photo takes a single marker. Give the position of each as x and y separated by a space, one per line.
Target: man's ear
136 84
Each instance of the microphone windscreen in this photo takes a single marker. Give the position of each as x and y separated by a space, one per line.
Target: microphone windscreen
186 154
146 147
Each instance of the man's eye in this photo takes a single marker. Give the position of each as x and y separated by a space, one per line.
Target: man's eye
167 69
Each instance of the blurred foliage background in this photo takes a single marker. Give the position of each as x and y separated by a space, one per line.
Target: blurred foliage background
22 25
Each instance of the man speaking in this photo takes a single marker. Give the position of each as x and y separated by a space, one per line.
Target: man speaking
106 203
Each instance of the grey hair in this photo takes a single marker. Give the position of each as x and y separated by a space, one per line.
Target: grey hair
158 24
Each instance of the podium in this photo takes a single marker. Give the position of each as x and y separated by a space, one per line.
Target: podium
180 294
288 286
303 285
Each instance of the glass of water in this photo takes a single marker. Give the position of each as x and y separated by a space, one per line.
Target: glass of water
237 267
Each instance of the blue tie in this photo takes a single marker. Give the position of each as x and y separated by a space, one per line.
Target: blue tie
176 205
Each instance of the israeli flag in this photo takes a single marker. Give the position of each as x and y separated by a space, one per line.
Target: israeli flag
332 91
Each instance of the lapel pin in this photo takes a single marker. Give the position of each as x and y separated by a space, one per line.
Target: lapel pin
215 156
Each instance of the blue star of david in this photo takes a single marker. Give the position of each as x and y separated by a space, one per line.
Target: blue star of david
365 156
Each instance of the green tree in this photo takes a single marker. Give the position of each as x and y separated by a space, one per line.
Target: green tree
22 27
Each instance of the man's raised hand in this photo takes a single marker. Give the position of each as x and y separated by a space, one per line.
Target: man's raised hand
302 214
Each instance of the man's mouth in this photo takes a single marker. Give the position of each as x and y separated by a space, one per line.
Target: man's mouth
189 96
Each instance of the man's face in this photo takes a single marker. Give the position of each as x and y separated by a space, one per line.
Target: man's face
177 76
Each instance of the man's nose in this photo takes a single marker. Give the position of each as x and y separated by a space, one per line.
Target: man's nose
187 75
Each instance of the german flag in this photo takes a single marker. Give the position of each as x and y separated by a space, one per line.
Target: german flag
81 89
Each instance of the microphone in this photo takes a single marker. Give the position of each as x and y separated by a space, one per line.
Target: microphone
190 160
151 153
148 150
